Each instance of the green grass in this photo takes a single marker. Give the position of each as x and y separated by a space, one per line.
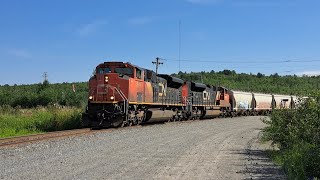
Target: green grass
17 122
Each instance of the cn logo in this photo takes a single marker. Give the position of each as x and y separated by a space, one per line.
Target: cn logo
162 89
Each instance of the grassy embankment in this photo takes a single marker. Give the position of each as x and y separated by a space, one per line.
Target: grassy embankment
16 121
297 135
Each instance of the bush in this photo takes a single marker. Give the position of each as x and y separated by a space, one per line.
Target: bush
297 132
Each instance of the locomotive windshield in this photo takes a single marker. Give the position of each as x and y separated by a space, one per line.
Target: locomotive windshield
104 70
124 71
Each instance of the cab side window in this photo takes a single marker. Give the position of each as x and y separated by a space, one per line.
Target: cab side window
205 95
138 73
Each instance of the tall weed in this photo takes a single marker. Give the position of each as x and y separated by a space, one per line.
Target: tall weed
15 122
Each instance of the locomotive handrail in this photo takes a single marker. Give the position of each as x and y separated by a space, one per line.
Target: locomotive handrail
125 99
126 104
121 94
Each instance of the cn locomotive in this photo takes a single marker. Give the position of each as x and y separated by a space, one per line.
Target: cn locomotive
123 94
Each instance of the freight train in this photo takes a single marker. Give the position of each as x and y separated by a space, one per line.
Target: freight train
123 94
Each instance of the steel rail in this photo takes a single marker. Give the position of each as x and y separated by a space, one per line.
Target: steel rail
41 136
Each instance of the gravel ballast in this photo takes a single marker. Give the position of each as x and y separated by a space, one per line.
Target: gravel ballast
207 149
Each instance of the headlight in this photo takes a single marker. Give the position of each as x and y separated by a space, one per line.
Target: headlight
90 97
112 98
106 78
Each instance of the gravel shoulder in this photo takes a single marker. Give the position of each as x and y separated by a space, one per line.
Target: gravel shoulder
209 149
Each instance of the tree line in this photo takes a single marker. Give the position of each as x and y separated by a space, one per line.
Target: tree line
44 94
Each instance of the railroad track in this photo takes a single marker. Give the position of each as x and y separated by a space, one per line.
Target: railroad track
11 141
43 136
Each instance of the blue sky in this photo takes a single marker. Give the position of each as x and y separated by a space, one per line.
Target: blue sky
68 39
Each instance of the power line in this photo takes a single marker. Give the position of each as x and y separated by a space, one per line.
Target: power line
241 62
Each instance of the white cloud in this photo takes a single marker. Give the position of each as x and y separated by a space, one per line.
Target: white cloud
90 28
20 53
140 20
309 73
204 1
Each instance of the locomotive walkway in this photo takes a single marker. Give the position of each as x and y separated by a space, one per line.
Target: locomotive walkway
208 149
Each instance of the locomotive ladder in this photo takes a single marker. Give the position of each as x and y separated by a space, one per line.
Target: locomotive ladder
125 101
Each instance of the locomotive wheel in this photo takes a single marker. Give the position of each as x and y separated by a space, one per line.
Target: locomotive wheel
135 121
124 123
187 116
175 118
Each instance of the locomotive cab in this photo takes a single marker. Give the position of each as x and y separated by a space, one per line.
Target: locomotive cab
111 89
112 81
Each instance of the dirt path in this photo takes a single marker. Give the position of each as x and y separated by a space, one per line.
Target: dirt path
209 149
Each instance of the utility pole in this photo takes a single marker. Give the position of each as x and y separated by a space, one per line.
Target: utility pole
45 79
45 76
179 43
157 62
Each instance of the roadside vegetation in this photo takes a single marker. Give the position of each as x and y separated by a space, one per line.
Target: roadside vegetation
296 133
43 107
17 121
